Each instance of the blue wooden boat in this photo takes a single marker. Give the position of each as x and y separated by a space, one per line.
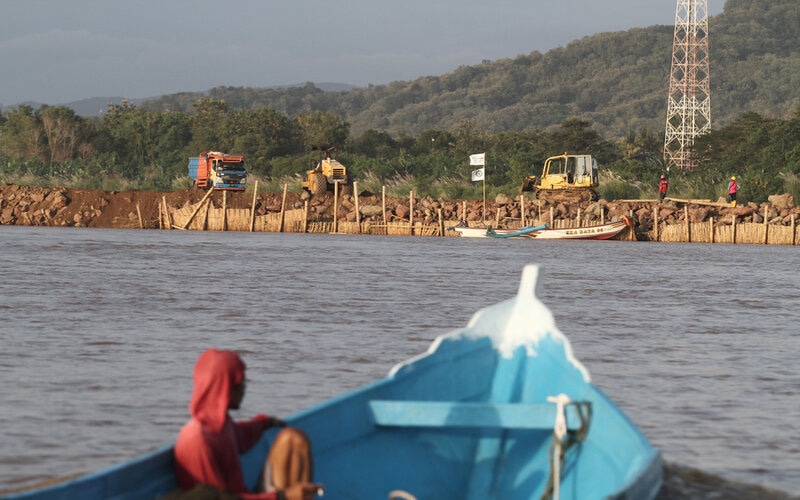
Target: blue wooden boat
500 409
489 232
495 233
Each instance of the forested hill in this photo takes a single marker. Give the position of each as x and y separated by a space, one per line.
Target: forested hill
617 81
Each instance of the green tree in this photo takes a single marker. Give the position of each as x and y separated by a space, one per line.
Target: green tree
22 135
262 135
322 128
64 131
208 126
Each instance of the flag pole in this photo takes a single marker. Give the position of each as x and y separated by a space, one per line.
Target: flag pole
484 194
480 159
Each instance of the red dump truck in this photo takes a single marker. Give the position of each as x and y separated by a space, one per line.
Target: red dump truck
213 169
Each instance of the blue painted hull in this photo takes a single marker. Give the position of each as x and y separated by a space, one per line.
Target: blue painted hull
468 419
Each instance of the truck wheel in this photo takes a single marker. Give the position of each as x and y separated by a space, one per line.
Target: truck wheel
317 184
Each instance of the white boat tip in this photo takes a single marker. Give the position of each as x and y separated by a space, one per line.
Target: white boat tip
526 323
523 321
530 283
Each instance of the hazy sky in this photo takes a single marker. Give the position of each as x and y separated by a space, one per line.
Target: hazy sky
54 51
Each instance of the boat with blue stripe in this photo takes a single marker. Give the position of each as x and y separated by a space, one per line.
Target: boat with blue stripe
499 409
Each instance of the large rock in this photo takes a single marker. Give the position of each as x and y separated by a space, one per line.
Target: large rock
782 201
59 200
370 210
594 208
503 199
698 214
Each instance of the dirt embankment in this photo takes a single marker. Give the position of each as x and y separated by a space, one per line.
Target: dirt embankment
58 206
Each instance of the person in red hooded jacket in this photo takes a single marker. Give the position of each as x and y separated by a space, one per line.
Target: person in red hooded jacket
663 185
208 446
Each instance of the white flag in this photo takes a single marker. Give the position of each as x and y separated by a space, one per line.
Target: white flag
478 159
477 175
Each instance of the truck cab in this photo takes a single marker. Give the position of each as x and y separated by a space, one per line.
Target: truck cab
213 169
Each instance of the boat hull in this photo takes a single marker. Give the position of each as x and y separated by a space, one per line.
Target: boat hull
493 460
472 418
599 232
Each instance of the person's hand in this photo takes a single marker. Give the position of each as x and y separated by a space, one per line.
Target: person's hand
268 421
302 491
276 422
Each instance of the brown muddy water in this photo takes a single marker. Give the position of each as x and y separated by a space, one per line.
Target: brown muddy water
100 330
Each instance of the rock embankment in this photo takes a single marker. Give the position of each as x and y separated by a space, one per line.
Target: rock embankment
58 206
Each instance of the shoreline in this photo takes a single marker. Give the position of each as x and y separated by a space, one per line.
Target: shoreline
671 220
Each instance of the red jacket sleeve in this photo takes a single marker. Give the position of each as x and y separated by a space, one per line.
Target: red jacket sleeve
248 432
206 457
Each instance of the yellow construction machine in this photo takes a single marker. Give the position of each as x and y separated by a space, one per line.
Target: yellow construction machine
326 173
565 177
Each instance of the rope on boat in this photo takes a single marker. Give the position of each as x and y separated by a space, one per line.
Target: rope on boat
564 439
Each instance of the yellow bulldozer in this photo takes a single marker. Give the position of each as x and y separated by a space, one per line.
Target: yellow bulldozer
565 178
326 173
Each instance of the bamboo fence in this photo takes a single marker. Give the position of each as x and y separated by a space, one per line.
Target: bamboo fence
204 216
734 233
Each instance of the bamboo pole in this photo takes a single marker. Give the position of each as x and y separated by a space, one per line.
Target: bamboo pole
580 221
766 226
441 222
283 209
335 207
655 223
497 219
484 200
711 225
794 231
733 233
411 213
464 210
253 209
305 218
522 208
631 232
383 205
358 213
225 210
197 208
167 216
139 212
688 228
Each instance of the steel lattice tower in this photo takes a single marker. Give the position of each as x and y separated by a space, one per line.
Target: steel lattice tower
689 103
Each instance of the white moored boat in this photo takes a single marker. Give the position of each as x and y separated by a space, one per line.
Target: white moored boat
599 232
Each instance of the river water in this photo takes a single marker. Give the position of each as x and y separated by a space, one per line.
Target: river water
100 330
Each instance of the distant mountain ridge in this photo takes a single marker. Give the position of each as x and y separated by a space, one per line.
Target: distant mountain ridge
616 81
95 106
85 107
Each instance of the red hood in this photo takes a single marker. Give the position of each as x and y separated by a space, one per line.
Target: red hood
214 374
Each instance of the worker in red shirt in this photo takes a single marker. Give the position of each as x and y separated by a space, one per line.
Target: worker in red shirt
733 187
208 446
663 185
